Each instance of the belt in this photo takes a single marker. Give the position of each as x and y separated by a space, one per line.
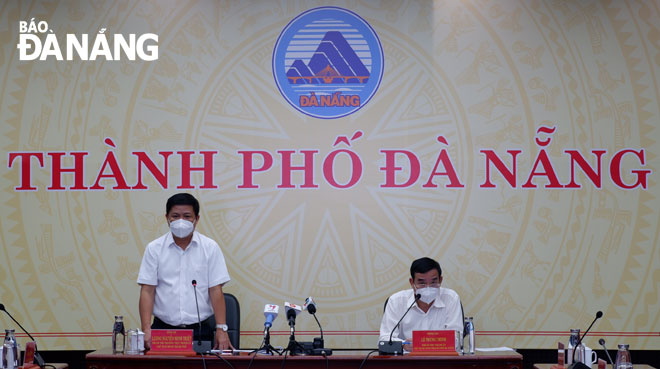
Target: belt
184 326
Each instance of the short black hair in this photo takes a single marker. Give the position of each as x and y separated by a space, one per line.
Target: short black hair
424 265
182 199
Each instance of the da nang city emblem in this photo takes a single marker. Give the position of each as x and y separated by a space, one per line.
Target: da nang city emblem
328 62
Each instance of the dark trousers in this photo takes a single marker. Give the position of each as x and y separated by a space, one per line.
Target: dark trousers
208 328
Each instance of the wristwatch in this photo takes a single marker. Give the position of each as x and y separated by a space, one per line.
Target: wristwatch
224 327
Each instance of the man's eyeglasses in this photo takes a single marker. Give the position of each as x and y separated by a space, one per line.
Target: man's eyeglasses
424 285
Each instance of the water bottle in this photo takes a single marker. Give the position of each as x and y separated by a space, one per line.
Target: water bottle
118 335
10 350
623 360
572 342
580 354
470 328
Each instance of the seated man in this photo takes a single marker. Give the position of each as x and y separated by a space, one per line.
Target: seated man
170 264
438 308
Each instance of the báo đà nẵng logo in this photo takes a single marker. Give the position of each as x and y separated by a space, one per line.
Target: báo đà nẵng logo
328 62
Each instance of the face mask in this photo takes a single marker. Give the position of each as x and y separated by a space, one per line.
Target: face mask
428 294
182 228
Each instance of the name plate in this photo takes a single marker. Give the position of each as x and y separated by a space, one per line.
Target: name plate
171 341
434 343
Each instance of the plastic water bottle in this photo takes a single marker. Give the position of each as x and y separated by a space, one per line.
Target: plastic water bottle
572 342
10 350
118 335
470 329
623 360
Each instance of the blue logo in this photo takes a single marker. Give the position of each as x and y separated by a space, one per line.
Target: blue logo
328 62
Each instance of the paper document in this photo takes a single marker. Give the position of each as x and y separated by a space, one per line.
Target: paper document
491 349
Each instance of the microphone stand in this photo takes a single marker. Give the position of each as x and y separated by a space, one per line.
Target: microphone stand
579 365
37 356
269 350
602 343
294 348
395 347
201 347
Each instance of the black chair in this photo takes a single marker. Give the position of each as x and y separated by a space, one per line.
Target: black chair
233 314
233 317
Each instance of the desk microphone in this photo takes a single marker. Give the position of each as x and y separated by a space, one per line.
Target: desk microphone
310 306
37 357
317 346
292 310
395 347
602 343
200 346
270 312
579 365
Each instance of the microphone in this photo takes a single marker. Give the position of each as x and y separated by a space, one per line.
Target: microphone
270 312
579 365
200 346
292 311
37 357
310 305
395 347
317 346
602 343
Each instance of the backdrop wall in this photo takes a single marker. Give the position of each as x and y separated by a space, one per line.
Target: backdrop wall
464 84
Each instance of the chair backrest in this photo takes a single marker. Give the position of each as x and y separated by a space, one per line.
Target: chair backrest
233 316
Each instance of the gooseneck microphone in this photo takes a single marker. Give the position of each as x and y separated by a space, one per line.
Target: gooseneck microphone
200 347
579 365
37 357
317 347
602 343
310 306
395 347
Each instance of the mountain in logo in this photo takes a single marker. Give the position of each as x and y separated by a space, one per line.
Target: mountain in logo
333 62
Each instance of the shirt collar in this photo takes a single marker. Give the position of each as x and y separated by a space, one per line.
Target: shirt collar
169 240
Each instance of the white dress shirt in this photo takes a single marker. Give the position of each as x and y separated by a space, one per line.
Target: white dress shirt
444 314
169 268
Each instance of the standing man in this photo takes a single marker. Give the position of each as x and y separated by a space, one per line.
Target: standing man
438 308
170 264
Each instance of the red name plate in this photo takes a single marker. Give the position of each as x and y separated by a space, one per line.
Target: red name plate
171 341
434 342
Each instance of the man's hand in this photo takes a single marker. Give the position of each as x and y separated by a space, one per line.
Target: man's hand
408 346
146 306
222 340
147 339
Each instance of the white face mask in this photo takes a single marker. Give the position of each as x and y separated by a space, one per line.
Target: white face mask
428 294
181 228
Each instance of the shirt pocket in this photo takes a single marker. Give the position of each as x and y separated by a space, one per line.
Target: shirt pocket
198 270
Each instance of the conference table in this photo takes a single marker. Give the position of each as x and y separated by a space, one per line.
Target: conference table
104 359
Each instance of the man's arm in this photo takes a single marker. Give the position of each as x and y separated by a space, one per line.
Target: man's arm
455 315
146 307
217 298
390 318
